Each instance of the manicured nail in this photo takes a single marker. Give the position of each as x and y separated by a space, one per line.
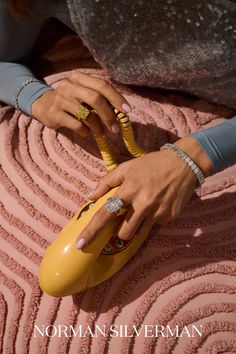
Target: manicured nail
90 194
115 129
126 107
80 244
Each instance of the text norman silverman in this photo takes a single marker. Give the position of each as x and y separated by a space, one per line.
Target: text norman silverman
117 331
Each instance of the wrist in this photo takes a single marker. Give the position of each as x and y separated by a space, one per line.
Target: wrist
29 90
39 102
191 147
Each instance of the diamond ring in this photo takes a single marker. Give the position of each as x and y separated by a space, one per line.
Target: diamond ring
114 204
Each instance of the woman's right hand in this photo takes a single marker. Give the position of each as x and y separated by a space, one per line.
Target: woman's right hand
56 108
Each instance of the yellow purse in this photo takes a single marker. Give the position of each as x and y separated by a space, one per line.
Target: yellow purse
66 270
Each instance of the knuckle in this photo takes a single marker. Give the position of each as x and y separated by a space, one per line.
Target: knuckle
77 74
64 84
53 109
74 76
123 166
102 213
52 124
103 84
145 202
102 183
57 99
124 170
97 99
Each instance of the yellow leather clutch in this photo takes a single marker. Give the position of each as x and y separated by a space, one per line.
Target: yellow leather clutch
66 270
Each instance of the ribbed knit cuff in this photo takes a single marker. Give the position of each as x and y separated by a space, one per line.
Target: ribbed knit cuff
29 94
219 143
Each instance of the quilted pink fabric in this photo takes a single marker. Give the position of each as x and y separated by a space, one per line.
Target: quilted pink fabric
184 274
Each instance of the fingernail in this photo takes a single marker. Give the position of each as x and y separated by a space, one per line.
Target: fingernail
80 244
115 129
90 194
126 107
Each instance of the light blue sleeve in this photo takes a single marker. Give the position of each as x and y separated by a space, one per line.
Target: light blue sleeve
219 143
17 38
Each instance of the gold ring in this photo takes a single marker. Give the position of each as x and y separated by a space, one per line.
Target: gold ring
82 112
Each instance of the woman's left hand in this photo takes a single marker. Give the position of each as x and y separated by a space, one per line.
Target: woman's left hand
155 187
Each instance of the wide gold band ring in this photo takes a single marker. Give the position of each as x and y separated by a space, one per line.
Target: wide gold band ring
82 112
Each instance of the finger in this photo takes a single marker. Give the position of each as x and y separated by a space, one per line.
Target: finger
131 223
106 89
92 121
146 224
95 226
101 218
163 216
67 121
110 180
99 103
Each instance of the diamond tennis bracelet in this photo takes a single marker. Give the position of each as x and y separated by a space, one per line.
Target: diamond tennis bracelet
186 158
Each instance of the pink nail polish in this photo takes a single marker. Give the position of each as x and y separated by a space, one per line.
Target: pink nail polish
90 194
80 244
115 129
126 107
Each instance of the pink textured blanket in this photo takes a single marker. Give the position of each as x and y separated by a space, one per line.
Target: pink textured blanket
184 275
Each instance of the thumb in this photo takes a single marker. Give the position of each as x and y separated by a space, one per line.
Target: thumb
113 179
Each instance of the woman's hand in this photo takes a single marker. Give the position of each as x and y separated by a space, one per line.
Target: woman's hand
155 187
56 108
